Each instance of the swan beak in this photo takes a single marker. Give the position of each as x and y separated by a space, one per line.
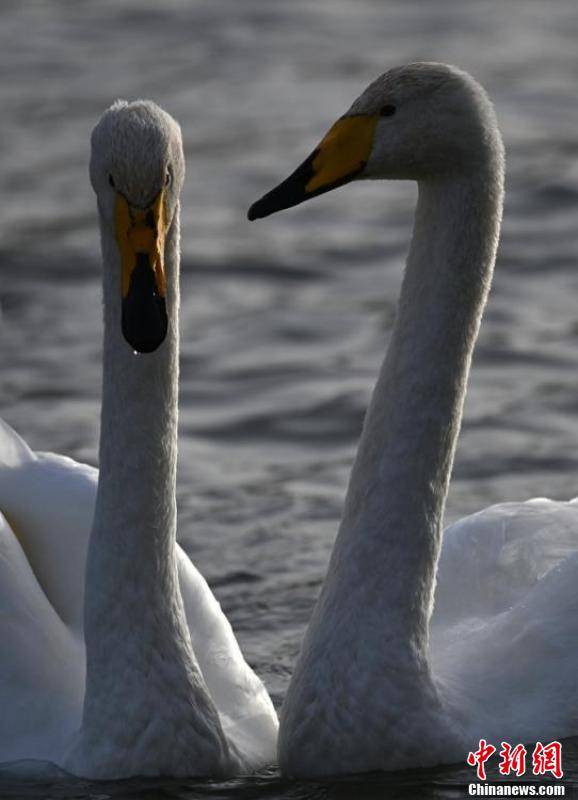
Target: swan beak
140 234
339 158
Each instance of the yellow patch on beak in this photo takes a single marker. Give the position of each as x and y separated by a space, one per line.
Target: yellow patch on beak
343 152
341 157
141 232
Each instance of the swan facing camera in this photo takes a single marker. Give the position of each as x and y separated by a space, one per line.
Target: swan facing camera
140 234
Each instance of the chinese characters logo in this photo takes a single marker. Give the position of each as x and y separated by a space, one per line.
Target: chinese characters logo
546 758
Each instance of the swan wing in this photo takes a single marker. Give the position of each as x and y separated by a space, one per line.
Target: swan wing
41 663
247 714
47 504
48 501
491 560
506 620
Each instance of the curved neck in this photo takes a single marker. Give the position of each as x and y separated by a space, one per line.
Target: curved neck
364 659
384 560
400 478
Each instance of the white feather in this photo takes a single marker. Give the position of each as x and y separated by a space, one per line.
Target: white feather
375 687
91 562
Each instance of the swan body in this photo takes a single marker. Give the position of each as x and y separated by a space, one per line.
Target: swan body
380 684
117 660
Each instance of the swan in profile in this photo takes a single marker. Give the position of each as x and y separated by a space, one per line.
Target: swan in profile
380 684
167 691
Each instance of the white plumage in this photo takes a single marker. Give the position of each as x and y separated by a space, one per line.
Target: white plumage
379 682
167 690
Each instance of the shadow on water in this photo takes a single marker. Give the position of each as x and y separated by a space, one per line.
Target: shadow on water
442 783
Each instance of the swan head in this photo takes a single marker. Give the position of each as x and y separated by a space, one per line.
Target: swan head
417 122
137 171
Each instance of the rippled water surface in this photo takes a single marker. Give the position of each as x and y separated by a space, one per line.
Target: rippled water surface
284 323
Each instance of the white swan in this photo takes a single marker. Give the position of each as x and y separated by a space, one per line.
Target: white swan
375 686
167 691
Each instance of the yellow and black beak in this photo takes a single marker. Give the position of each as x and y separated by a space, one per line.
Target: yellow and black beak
140 234
340 157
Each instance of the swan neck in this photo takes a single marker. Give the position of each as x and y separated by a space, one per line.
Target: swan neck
144 688
138 440
382 568
134 528
367 642
399 483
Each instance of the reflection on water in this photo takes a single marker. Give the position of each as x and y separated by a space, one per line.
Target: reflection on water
284 322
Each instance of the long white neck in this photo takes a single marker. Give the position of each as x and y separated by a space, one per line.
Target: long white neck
132 544
369 631
395 502
146 707
135 515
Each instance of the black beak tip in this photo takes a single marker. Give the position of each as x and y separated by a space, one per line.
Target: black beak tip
144 319
259 210
145 341
142 346
291 192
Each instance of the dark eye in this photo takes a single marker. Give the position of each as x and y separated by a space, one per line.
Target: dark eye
168 178
387 111
111 181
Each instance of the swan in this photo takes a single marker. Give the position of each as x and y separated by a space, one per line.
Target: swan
379 684
128 667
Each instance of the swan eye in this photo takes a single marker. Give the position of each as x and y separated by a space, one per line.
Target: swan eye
111 181
168 178
388 110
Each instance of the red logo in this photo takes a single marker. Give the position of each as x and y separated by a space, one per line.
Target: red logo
545 758
512 759
479 757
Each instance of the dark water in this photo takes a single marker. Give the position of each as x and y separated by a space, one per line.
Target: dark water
284 323
444 783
